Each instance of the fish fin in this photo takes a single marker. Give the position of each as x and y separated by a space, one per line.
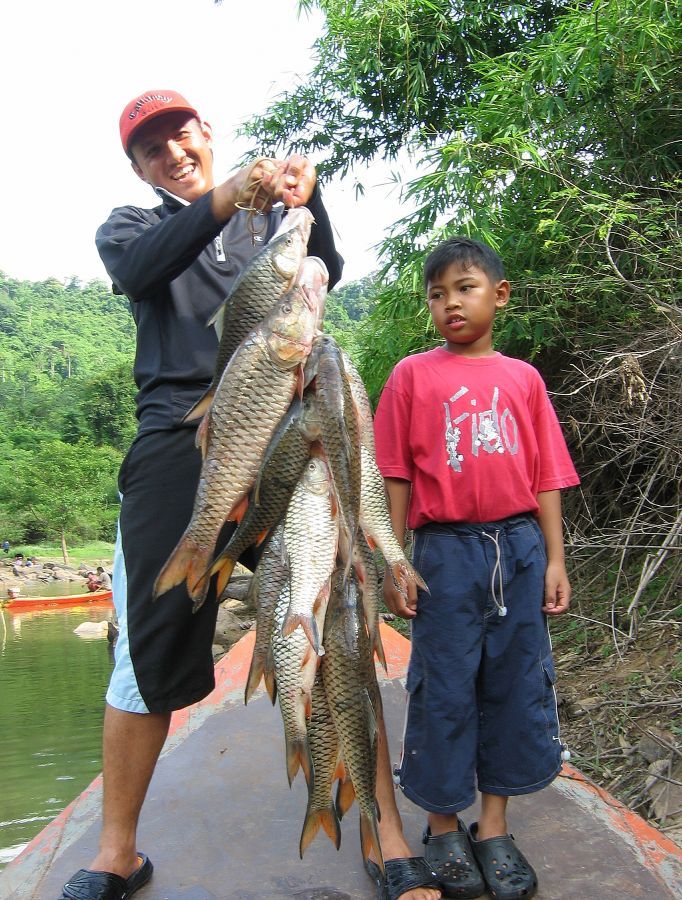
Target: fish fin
369 839
224 575
202 435
201 407
329 821
371 543
300 382
345 796
309 626
218 320
181 565
379 648
238 511
261 537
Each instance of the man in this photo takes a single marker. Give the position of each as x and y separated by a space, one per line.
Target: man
176 263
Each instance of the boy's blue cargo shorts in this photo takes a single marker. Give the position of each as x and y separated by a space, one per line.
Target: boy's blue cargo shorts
481 706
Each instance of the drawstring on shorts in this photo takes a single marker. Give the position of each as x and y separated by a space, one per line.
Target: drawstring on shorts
497 571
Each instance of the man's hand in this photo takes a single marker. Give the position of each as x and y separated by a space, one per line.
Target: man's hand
395 601
294 181
557 590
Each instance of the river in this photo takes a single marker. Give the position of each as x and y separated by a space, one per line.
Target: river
52 686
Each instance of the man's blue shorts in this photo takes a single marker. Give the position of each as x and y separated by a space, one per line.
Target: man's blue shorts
482 706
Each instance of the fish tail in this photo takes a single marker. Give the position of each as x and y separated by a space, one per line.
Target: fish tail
256 670
269 676
187 562
309 626
402 572
201 407
379 648
329 821
345 797
369 839
298 757
224 571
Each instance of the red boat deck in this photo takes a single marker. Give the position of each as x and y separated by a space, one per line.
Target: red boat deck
220 821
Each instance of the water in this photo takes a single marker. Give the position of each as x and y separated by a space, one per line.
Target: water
51 588
52 686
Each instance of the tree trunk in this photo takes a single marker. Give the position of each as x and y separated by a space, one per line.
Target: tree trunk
65 552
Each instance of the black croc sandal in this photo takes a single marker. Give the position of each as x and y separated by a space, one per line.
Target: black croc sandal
87 884
451 856
401 876
508 874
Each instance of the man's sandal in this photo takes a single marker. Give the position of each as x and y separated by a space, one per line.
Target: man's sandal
451 856
87 884
401 876
508 874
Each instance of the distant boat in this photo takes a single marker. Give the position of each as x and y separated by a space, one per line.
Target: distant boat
20 604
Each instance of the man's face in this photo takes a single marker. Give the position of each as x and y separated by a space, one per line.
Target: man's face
173 152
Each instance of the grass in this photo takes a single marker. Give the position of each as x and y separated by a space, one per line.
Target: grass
94 553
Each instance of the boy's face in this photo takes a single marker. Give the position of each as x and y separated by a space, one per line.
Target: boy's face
463 303
174 152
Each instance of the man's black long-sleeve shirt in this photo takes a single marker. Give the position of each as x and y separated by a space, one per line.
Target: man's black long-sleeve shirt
176 265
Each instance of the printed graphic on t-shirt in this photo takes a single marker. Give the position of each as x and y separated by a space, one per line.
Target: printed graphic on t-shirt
485 430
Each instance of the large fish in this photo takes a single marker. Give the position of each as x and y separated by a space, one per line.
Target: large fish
311 535
363 407
344 675
254 393
368 577
295 666
270 577
375 521
327 764
265 279
340 433
280 470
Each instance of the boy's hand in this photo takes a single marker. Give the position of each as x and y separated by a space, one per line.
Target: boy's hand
395 601
557 590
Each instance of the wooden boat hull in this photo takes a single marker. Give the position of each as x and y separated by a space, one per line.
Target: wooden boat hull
28 603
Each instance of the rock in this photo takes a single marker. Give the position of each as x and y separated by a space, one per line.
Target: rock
228 629
90 630
666 797
237 588
656 744
235 606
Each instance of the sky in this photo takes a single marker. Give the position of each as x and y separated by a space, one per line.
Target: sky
68 68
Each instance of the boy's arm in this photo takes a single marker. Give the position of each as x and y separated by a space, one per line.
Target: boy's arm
557 586
398 491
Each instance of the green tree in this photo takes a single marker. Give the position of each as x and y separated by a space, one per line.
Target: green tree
62 490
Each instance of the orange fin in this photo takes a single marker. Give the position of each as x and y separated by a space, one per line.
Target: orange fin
202 435
309 626
329 821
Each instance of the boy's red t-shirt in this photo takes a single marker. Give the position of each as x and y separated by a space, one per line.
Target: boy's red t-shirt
478 438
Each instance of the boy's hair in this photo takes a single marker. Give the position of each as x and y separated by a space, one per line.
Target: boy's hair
464 252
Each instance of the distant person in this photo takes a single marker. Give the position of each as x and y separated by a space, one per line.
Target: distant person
5 547
92 582
104 579
176 263
473 460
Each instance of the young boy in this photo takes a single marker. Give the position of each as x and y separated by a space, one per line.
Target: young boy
473 460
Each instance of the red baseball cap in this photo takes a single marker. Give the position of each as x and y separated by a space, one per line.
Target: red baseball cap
147 106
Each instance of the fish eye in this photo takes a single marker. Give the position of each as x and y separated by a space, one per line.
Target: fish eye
286 307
